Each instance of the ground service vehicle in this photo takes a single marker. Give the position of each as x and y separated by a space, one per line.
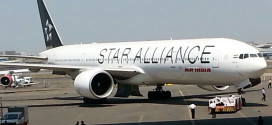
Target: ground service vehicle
17 115
28 80
232 103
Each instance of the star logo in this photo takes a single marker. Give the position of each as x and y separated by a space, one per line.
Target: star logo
48 31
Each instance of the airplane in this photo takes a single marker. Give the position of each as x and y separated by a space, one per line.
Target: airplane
15 78
3 59
265 49
20 81
211 63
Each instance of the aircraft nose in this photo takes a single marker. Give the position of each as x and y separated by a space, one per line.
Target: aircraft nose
263 64
260 67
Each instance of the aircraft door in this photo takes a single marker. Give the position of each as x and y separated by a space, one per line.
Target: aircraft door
215 59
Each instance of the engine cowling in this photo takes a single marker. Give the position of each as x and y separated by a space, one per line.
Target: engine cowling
213 87
6 80
94 84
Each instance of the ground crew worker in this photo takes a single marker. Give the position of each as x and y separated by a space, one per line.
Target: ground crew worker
213 106
240 92
263 91
82 123
269 84
260 120
192 107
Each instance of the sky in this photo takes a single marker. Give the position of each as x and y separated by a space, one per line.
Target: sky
87 21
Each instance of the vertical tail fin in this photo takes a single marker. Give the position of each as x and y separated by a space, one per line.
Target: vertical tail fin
50 32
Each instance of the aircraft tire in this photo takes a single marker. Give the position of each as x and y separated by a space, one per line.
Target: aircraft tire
85 100
151 95
168 94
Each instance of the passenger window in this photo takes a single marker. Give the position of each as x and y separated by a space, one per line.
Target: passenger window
260 55
241 56
253 55
245 56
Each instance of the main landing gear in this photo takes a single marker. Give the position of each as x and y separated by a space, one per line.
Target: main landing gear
94 101
158 93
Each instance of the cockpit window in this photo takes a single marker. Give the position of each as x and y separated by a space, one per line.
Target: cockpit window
253 55
245 56
260 55
241 56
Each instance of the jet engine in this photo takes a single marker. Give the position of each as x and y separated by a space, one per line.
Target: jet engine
213 87
6 80
94 84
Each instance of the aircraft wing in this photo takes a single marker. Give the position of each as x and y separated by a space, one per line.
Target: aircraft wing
13 71
118 73
25 57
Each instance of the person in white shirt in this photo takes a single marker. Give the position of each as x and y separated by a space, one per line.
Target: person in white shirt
192 107
263 91
213 106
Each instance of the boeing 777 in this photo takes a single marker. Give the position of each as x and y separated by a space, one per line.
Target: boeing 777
211 63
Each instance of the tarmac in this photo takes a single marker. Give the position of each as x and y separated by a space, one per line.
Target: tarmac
54 101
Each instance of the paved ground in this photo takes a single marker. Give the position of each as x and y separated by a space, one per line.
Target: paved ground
59 104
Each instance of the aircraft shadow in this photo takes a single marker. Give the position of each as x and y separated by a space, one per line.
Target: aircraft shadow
178 100
212 95
267 120
172 101
54 98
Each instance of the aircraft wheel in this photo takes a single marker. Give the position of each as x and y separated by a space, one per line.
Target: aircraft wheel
158 95
151 95
163 95
168 94
85 100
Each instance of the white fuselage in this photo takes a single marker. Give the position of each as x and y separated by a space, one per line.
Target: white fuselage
197 61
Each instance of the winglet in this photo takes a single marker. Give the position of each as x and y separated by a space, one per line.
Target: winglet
50 33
